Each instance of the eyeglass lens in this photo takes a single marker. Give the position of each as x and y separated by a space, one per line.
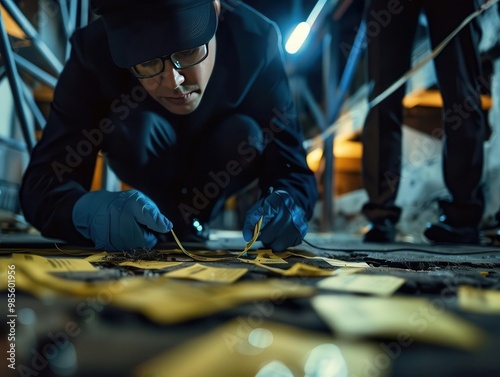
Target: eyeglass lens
180 59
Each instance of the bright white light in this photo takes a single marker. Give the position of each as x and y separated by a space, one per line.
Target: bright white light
302 30
297 38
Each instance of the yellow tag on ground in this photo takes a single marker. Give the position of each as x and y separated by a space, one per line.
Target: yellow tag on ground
403 319
266 256
381 285
479 300
148 264
301 269
331 261
56 251
298 269
239 348
42 283
53 264
304 270
34 275
207 273
169 301
341 263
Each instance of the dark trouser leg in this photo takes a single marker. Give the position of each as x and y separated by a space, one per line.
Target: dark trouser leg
390 34
459 74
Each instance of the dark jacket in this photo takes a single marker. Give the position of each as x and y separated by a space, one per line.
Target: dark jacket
248 78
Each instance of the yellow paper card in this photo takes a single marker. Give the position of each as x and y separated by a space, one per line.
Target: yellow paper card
206 273
347 271
53 264
297 253
479 300
265 256
238 348
401 318
55 251
382 285
341 263
37 279
168 301
42 283
148 264
304 270
301 269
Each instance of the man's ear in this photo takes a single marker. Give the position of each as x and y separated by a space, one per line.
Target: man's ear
217 7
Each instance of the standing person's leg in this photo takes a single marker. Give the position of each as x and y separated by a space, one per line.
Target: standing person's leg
458 71
390 35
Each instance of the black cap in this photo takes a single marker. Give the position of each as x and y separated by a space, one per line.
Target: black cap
140 30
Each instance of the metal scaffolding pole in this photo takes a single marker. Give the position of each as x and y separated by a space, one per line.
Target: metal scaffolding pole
32 35
15 85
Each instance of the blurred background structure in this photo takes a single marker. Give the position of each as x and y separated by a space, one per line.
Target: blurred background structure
324 50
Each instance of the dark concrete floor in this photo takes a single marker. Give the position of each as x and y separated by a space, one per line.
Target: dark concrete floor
117 341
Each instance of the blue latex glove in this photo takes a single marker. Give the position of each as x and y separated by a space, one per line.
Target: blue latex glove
119 220
283 222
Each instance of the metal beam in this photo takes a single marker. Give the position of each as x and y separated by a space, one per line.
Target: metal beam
35 71
15 85
40 120
32 34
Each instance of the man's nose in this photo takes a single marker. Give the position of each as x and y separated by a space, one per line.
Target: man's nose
172 78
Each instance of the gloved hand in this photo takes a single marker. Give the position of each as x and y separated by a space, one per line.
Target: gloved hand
283 222
119 220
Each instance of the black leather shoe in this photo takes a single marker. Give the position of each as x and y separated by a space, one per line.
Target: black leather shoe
444 233
381 231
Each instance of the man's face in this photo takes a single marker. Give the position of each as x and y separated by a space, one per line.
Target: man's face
180 90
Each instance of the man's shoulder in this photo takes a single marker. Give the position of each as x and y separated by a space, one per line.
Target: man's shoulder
94 32
249 28
246 19
91 40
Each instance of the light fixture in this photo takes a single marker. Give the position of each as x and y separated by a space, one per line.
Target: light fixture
301 31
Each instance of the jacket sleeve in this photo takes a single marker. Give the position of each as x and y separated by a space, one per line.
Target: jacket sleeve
285 165
62 163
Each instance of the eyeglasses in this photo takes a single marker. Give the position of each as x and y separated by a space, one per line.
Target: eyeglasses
180 60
